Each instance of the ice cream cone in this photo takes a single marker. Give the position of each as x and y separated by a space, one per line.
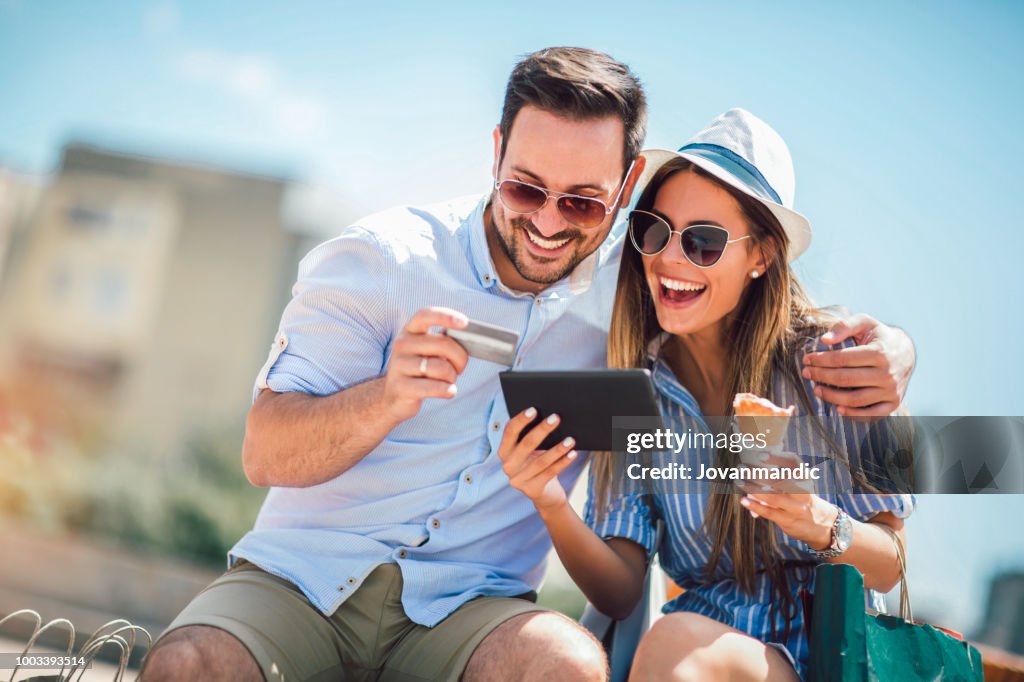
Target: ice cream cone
756 415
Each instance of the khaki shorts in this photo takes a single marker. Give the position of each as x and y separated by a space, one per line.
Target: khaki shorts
369 637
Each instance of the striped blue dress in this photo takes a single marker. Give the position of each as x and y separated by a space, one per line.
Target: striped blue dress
685 550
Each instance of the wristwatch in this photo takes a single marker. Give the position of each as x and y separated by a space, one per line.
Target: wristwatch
842 534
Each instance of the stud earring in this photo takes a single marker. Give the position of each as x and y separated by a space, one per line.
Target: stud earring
755 274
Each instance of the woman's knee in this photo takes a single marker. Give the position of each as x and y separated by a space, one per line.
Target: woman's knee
682 629
677 647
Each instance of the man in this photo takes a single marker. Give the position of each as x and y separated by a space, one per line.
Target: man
390 545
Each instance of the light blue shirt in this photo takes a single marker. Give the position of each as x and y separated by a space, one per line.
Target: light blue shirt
432 497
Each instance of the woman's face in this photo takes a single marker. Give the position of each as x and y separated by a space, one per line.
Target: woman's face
689 299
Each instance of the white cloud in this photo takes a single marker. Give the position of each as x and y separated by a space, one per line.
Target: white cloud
253 76
256 79
247 76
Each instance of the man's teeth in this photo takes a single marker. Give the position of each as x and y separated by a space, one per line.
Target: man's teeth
677 285
546 243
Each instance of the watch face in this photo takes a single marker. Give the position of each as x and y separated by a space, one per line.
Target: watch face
845 535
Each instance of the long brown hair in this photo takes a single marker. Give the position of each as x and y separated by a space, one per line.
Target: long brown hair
771 326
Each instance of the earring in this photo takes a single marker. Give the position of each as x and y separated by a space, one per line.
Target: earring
754 274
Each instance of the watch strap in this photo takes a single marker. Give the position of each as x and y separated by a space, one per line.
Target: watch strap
833 550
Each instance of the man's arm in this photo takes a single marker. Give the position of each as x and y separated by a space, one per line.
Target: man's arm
296 439
868 380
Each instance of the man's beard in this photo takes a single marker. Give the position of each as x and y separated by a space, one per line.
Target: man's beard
524 264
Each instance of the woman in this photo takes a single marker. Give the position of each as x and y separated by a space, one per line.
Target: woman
706 299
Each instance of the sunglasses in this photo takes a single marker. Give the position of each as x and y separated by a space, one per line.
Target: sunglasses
703 245
580 211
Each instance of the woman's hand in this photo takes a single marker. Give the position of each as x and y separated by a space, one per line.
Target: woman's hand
800 514
532 471
610 573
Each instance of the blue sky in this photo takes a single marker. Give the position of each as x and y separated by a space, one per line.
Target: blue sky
903 123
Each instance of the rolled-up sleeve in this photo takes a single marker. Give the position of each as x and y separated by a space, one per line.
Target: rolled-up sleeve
626 514
882 485
335 330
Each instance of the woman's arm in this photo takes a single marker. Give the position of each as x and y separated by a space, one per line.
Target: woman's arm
610 574
809 518
872 551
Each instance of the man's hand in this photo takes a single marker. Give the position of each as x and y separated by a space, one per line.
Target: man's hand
424 365
869 379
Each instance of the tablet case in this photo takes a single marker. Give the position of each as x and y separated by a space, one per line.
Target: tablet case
587 402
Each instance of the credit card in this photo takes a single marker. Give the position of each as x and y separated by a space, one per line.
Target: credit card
487 342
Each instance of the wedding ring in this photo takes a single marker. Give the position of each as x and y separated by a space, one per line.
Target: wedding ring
423 367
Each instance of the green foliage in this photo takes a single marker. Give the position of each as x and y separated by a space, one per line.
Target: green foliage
194 505
562 597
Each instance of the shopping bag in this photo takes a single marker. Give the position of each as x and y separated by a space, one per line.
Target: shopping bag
849 644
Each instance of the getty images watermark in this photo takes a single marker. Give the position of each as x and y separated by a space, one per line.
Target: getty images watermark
959 455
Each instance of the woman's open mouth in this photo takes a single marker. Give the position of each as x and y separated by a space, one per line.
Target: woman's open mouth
678 292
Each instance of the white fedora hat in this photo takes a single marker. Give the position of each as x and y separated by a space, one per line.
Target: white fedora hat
743 151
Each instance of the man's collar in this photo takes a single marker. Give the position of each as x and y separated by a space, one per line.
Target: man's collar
480 254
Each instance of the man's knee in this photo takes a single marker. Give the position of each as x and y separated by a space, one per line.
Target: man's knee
198 652
580 656
574 647
539 646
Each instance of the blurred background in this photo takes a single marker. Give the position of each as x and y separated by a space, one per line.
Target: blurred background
164 166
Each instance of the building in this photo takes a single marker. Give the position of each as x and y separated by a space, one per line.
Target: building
144 298
19 197
1003 625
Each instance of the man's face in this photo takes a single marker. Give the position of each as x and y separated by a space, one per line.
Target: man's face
534 250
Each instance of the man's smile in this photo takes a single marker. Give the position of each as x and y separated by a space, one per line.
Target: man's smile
545 247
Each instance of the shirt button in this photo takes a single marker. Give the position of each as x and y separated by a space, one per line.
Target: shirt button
341 589
351 581
487 278
402 554
536 301
496 426
435 523
468 479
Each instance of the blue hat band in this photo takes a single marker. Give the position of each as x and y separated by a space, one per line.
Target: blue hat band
734 163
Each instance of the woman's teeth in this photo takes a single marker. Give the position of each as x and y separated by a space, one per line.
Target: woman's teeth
679 285
678 291
546 243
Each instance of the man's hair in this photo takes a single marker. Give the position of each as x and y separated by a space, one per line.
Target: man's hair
579 84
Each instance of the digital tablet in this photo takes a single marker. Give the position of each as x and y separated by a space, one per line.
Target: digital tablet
586 401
